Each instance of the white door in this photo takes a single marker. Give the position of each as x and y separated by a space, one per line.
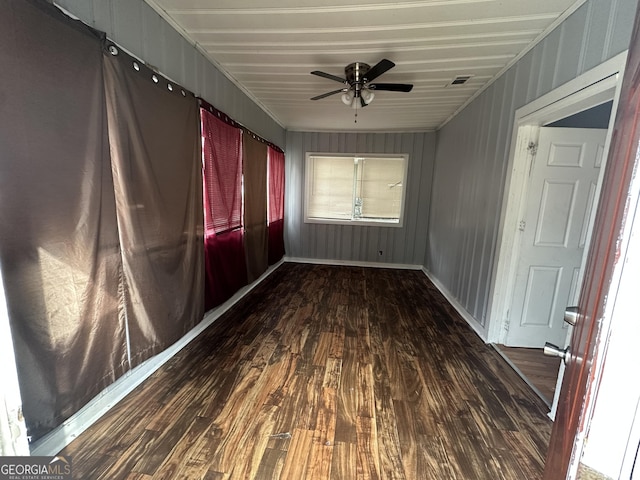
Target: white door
561 194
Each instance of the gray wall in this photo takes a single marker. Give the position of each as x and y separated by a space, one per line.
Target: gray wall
463 211
472 149
405 245
139 29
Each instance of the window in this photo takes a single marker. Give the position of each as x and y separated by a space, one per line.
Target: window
222 172
275 190
347 189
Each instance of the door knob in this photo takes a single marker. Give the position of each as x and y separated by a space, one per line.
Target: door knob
571 315
554 351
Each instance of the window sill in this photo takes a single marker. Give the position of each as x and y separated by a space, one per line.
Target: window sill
364 222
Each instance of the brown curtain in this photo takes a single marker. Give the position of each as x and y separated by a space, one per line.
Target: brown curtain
255 206
58 241
155 149
276 205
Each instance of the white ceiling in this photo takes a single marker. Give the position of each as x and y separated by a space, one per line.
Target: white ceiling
269 48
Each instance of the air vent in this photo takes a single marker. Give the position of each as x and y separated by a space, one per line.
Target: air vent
460 80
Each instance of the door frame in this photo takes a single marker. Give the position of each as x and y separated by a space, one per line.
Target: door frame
594 87
13 430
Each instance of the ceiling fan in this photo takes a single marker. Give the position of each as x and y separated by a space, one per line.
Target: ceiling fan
358 89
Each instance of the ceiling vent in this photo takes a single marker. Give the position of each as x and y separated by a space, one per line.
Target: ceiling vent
459 80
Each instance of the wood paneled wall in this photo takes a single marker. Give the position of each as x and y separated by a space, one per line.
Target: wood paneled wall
400 245
138 28
473 148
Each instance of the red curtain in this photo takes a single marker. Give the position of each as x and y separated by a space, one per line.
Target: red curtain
276 205
226 270
222 152
225 265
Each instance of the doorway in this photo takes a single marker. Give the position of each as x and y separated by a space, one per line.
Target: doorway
561 185
587 101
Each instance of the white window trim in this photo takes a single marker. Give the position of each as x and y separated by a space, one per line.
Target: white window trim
355 221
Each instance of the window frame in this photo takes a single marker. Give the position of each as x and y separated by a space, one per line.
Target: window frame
354 221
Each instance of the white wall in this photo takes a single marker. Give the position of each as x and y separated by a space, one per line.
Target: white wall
135 26
473 149
399 245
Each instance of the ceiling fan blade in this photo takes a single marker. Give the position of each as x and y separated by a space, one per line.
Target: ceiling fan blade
378 69
328 94
391 87
329 76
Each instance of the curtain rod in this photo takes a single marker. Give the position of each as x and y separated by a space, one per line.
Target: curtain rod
230 121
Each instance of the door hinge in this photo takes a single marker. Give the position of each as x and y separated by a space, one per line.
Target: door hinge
533 149
522 225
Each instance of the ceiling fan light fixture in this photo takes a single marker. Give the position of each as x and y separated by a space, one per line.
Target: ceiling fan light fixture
347 98
367 96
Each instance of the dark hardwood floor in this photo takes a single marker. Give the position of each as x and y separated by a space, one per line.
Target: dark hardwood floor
326 372
540 371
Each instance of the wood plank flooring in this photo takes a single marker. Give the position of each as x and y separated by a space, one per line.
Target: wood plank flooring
540 370
326 372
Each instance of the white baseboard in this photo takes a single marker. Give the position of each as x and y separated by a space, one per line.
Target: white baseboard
473 323
352 263
59 438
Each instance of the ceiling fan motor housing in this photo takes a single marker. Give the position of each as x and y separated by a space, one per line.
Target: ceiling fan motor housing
356 72
356 76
